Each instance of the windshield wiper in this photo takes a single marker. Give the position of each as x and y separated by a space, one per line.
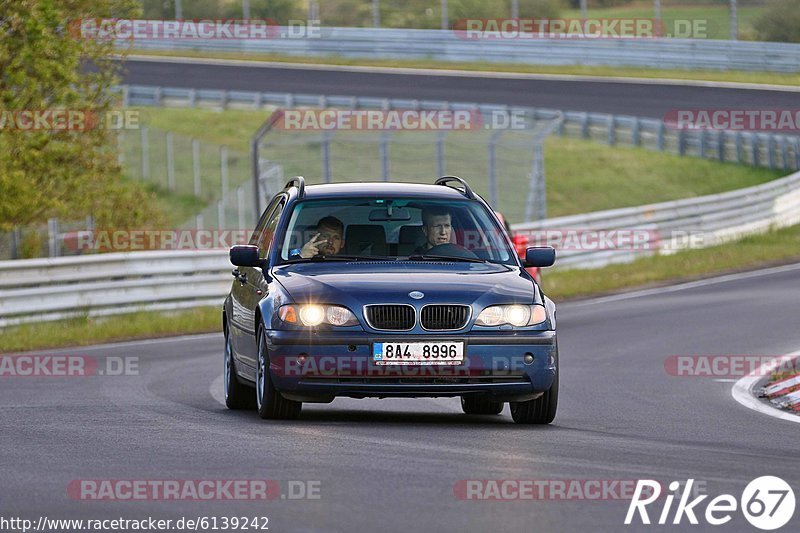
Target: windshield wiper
424 257
323 258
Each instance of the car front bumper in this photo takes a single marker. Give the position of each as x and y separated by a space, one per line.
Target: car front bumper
315 366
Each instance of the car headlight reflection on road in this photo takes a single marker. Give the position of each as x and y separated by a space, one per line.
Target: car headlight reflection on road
314 314
514 315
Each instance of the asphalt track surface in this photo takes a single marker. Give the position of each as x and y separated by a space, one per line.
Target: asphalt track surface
638 99
391 465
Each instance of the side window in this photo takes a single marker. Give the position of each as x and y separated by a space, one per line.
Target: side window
265 218
268 233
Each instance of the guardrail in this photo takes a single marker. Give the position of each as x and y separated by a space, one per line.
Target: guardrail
104 284
773 150
49 289
669 227
448 45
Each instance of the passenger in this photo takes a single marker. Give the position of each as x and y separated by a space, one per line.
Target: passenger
329 239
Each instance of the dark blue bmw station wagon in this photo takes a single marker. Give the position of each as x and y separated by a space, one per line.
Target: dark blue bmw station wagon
388 290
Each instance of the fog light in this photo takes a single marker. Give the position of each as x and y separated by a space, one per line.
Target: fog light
528 358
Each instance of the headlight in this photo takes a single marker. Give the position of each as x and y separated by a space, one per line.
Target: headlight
314 315
515 315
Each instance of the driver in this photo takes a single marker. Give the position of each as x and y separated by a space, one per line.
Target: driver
437 227
328 239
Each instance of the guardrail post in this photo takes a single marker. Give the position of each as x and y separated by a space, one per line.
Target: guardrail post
681 142
721 136
192 97
771 149
170 163
661 140
52 237
585 126
126 99
157 96
198 221
145 153
756 155
739 148
612 132
703 134
636 134
196 167
223 100
223 170
797 153
785 152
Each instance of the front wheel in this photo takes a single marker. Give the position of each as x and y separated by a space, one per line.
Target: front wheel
542 410
269 402
237 396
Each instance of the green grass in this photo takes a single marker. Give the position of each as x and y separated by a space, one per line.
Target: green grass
792 79
84 331
582 175
775 247
717 17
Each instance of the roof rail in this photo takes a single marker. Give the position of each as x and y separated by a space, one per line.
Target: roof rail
300 183
444 180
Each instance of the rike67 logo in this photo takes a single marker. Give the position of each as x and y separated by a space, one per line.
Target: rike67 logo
767 503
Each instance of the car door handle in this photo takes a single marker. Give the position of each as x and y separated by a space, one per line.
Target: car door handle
242 278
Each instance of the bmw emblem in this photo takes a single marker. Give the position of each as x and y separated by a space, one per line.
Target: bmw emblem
416 295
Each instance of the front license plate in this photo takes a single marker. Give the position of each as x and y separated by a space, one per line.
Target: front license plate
418 353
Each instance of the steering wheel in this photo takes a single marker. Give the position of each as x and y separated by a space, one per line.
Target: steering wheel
452 250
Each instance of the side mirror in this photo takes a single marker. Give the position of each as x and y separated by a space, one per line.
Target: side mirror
245 255
540 256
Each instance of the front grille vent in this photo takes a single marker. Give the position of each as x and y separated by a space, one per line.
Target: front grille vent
398 317
444 317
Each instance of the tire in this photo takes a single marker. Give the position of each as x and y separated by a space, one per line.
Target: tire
237 396
472 405
542 410
269 402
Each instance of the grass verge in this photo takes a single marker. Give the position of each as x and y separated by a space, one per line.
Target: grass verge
84 331
768 78
774 247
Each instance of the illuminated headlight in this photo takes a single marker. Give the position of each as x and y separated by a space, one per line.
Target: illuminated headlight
515 315
314 315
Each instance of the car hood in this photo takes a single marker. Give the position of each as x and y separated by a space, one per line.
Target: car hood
361 283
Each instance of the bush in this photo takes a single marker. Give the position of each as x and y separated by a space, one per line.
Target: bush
780 22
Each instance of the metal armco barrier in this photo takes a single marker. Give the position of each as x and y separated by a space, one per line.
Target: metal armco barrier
773 150
448 45
49 289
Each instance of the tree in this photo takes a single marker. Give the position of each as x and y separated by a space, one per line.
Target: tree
780 22
43 67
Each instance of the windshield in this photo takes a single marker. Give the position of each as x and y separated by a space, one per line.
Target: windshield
393 229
